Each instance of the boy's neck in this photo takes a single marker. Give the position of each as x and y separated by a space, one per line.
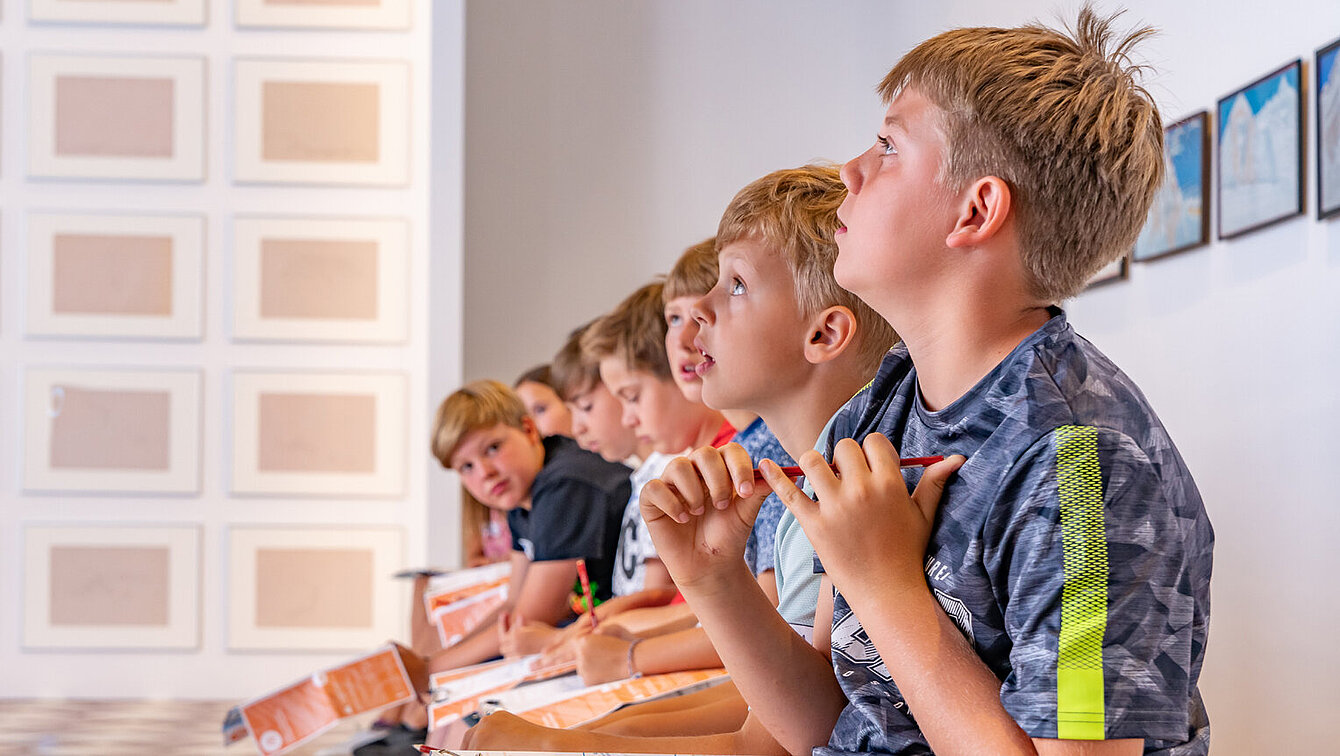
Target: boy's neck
798 416
708 426
953 351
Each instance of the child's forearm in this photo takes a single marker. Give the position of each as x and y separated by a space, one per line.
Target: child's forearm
705 697
790 686
707 718
955 696
480 645
674 652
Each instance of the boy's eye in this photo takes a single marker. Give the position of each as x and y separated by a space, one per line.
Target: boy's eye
672 320
465 468
887 146
493 447
537 410
736 287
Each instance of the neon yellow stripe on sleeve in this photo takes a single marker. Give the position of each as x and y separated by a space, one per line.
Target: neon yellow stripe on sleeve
1079 663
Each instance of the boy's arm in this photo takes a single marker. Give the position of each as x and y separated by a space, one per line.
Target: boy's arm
544 594
603 658
700 514
868 511
502 730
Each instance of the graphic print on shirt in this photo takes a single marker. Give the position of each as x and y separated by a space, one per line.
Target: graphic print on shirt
851 643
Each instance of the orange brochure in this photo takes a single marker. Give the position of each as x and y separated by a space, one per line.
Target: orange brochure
600 700
458 692
458 601
292 715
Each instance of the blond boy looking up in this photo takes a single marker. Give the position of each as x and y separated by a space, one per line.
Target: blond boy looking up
1055 599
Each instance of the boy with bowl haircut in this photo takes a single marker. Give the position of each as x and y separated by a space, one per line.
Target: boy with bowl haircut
787 342
597 417
1053 597
563 503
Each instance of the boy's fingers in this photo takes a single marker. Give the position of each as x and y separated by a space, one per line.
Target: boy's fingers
684 480
820 476
881 456
741 467
932 484
711 469
658 500
786 490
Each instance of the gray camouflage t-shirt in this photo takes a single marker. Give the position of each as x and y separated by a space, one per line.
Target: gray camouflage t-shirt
1072 550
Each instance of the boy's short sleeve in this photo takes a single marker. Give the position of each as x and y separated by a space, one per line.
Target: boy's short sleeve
570 522
1097 575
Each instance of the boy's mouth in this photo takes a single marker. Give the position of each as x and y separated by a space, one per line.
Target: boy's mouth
689 371
705 365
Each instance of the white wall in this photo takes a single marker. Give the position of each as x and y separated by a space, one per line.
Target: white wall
211 670
604 137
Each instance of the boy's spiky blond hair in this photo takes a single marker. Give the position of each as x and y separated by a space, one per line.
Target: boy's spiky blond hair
794 212
478 404
694 274
1061 118
634 331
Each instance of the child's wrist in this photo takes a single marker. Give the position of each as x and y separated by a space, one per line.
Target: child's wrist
632 664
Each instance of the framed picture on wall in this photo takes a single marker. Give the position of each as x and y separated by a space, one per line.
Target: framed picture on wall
313 589
319 434
1117 270
109 117
305 14
1328 130
322 122
134 276
111 586
138 12
1179 218
315 279
105 431
1261 152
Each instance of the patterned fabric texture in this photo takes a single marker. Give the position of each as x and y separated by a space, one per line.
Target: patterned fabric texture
1072 550
761 444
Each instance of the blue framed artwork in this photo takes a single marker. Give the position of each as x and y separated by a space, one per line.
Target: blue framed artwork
1179 218
1261 152
1328 130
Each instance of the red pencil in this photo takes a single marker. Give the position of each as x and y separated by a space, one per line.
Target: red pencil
795 472
586 591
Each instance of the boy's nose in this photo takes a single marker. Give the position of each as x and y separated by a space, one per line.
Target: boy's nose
851 174
700 310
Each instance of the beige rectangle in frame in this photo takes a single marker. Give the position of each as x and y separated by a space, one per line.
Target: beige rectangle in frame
111 586
322 122
130 12
116 117
111 432
315 279
313 589
307 434
114 275
324 14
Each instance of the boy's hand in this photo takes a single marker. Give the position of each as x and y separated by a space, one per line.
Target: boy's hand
870 534
701 509
501 730
603 657
517 637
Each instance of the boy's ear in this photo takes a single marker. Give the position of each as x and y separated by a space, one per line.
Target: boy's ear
831 331
531 430
984 210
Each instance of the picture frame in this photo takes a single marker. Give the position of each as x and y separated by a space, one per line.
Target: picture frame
342 576
322 122
1260 152
1179 218
111 586
1328 130
102 275
320 279
121 117
290 14
112 431
129 12
1117 270
319 434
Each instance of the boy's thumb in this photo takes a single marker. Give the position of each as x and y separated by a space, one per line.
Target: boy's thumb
931 487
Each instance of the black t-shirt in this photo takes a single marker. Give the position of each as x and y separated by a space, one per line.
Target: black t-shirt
576 504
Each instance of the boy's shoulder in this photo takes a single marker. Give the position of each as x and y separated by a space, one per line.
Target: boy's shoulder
565 463
1053 379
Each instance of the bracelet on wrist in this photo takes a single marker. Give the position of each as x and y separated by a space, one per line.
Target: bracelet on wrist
632 671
